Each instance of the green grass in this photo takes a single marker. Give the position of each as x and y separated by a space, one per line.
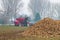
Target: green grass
36 38
8 29
3 27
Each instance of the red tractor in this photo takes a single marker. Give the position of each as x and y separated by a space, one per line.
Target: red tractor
16 22
20 21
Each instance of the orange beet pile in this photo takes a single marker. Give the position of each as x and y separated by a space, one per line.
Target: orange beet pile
47 26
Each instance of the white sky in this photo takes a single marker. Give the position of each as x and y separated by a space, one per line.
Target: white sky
1 5
54 1
25 9
26 2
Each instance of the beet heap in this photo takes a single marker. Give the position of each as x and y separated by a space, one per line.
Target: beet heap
47 26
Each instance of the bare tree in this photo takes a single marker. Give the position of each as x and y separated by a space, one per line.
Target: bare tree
35 6
45 8
10 7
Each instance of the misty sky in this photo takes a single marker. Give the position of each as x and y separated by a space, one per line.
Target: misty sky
25 9
54 1
1 5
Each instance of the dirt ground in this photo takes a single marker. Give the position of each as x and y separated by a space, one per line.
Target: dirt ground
11 32
11 35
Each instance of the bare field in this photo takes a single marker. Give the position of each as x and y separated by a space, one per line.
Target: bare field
10 32
13 33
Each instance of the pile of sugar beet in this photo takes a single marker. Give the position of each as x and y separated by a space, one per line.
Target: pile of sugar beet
44 27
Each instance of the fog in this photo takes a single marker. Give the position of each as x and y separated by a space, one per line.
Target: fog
12 9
